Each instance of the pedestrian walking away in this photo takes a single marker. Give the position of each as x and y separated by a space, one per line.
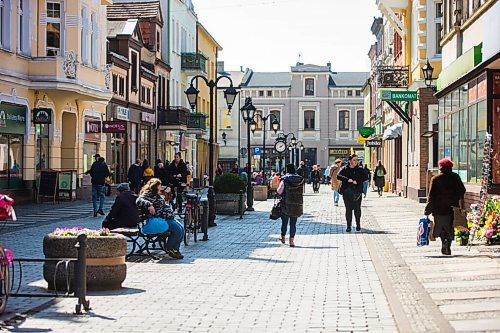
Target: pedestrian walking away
99 171
352 177
292 202
303 172
366 183
151 200
445 192
316 178
334 182
379 178
134 176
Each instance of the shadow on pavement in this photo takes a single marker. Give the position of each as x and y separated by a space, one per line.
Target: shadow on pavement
119 292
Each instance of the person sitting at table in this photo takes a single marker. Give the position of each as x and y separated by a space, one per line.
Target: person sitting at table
123 213
151 200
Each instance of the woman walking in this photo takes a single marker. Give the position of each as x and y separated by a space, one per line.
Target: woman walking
446 191
316 178
290 189
366 183
379 178
334 182
352 177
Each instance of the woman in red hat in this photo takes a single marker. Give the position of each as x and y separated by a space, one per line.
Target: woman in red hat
446 191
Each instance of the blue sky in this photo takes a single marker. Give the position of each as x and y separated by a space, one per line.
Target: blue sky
268 35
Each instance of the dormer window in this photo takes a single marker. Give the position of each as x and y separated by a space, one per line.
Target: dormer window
309 87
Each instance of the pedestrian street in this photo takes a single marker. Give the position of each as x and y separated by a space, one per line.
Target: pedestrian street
244 280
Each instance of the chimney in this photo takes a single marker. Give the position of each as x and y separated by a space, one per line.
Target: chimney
329 65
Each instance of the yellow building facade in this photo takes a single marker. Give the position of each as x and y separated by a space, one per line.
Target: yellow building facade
54 86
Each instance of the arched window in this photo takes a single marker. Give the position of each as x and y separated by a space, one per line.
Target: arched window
276 114
344 120
360 118
309 87
309 120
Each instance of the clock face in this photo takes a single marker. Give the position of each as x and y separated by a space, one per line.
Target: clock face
280 146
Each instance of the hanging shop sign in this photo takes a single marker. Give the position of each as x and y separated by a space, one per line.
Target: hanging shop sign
42 116
365 132
114 126
398 96
122 113
373 143
148 117
338 152
12 118
92 126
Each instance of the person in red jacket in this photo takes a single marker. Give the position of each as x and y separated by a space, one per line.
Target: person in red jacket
446 191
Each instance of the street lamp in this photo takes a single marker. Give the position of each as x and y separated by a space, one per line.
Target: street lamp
427 70
192 96
275 126
247 113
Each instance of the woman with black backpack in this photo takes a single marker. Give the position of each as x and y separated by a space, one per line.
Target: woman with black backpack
352 178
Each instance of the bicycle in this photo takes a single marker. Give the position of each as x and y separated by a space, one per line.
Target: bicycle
191 216
4 279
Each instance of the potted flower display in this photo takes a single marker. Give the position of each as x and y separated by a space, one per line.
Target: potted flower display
462 236
228 187
484 221
106 268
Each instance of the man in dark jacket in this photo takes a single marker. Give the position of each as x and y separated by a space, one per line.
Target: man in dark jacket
352 177
99 171
178 170
446 191
123 213
303 172
134 176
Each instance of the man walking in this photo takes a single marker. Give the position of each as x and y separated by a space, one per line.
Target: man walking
302 171
99 172
134 176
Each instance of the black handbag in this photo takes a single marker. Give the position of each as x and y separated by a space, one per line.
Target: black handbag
276 210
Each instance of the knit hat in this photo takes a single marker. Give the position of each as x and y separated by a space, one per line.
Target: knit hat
445 163
123 187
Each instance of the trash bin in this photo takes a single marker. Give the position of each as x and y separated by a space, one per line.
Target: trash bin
260 193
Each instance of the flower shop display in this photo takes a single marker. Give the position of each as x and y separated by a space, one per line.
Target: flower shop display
461 236
106 268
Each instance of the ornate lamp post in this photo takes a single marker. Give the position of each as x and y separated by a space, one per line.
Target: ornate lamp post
247 113
192 96
427 70
275 126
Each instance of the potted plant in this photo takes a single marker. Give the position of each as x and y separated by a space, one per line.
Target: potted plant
228 188
106 268
462 236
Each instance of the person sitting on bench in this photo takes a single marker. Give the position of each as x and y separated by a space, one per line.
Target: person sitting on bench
151 200
123 213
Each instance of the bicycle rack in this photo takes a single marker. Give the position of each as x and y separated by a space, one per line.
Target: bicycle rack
80 277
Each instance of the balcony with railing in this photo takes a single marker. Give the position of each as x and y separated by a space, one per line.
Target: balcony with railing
197 122
173 118
193 62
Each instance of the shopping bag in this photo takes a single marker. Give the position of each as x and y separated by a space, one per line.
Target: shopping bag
276 210
423 232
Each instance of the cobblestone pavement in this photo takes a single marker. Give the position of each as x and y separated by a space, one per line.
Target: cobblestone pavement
244 280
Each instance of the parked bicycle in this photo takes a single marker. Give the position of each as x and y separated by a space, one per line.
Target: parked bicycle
6 211
191 215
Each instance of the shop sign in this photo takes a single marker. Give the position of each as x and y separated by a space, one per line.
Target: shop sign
148 117
93 127
42 116
115 126
12 118
257 151
373 143
338 152
398 96
122 113
365 132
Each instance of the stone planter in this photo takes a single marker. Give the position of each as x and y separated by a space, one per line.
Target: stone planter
106 268
260 193
228 203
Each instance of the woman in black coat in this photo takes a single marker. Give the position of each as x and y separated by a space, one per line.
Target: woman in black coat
379 178
445 192
352 177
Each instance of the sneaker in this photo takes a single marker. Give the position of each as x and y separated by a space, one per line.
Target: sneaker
358 228
336 203
95 213
175 254
100 211
348 229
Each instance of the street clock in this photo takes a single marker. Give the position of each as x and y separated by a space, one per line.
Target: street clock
280 146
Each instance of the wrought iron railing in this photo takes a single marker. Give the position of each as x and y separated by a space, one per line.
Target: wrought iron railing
392 76
174 115
193 62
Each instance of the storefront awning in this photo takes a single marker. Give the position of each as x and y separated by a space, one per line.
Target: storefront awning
393 132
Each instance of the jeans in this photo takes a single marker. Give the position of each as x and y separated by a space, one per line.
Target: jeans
336 196
177 234
316 185
178 198
380 190
98 190
365 187
284 224
350 206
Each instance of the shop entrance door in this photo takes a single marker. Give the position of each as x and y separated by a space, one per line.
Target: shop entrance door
118 165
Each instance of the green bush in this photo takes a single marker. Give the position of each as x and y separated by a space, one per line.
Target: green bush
228 183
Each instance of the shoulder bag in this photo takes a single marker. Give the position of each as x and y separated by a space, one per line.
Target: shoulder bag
276 210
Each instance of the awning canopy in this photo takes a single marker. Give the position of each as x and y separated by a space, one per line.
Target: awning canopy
392 132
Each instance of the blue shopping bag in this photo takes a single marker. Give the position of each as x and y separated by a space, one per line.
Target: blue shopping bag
424 228
154 225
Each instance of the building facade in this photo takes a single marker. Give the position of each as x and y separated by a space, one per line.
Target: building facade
324 109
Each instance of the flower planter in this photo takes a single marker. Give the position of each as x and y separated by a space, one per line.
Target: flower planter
229 203
106 268
461 241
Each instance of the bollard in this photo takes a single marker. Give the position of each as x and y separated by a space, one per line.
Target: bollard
240 205
211 207
81 275
204 219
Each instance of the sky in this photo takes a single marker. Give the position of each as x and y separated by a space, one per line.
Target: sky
269 35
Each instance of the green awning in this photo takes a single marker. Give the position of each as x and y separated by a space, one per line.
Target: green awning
462 65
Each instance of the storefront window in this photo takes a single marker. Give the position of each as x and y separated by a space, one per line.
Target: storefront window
464 145
455 156
481 135
144 143
133 143
42 146
89 150
11 158
454 100
473 144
